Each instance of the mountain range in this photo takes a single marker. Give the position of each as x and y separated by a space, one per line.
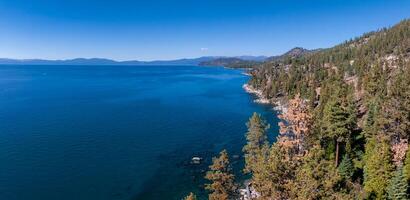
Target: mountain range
249 62
103 61
233 62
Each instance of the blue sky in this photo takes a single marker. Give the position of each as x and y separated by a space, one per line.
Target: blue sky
165 29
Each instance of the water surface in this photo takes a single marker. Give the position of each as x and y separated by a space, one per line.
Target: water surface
117 132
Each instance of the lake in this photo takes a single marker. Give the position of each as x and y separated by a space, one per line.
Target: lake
118 132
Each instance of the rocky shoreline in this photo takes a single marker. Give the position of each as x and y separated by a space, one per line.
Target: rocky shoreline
258 93
247 192
279 104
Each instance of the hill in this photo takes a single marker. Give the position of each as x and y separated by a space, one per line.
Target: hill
252 61
346 113
293 53
230 62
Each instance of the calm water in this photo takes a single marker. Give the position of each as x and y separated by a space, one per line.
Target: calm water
117 132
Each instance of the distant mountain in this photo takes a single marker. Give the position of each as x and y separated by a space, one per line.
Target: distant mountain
233 62
184 61
251 61
230 62
103 61
253 58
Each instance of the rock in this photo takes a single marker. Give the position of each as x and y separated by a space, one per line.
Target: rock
196 160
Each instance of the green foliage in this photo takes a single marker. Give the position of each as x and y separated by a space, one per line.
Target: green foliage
398 186
257 142
346 168
406 167
339 119
378 167
222 186
230 62
270 174
358 93
316 178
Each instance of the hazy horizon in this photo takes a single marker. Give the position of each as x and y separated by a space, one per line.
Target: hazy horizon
181 58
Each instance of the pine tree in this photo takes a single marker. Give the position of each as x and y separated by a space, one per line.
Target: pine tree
269 176
222 186
406 167
378 167
191 196
398 186
338 122
316 177
257 141
346 168
377 67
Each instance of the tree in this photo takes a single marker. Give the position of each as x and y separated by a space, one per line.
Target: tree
257 140
338 122
398 186
191 196
297 127
346 168
406 167
270 175
315 178
222 184
372 71
378 167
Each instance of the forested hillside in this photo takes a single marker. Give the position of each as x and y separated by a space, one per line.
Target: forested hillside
231 62
346 123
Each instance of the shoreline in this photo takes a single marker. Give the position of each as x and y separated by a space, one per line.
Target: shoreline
279 104
279 107
258 93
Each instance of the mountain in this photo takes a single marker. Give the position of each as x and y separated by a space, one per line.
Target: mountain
103 61
297 52
251 61
77 61
230 62
253 58
293 53
346 120
184 61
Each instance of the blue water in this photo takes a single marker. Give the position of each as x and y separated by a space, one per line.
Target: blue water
117 132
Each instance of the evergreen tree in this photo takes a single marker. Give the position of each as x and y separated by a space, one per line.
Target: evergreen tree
316 178
346 168
398 186
375 70
338 122
191 196
257 141
270 175
378 167
222 186
406 167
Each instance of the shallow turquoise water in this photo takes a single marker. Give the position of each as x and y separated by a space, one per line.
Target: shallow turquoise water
117 132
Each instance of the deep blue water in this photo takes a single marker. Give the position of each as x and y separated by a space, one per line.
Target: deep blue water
117 132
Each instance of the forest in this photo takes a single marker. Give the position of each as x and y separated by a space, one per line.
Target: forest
345 130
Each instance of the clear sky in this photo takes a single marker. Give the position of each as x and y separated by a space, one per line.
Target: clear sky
168 29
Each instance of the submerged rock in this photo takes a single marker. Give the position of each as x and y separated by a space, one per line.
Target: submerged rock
196 160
